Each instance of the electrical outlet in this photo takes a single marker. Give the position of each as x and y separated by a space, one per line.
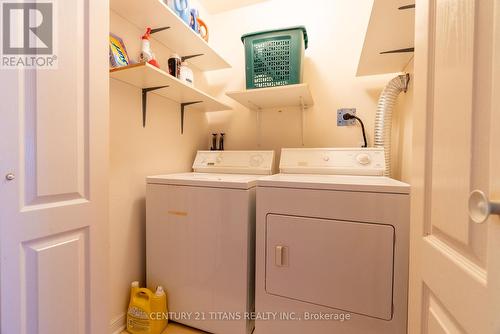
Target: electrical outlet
340 116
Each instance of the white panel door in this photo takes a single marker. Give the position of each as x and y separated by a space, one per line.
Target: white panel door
53 182
455 272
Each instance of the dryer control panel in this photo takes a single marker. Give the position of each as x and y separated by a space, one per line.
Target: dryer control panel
338 161
234 162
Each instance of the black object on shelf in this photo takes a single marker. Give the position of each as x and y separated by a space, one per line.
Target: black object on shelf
214 142
221 141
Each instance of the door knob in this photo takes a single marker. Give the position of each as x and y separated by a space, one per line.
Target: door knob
480 207
10 177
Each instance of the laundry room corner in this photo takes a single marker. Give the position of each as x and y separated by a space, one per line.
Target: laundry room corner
336 31
330 69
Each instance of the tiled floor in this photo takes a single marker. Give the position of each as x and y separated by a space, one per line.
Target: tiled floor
174 328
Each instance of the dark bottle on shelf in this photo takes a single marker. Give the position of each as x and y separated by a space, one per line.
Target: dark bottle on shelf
214 142
221 141
174 65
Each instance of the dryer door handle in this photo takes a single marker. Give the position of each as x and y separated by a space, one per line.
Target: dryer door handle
280 256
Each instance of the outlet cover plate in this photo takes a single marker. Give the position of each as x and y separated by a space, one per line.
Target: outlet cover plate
340 117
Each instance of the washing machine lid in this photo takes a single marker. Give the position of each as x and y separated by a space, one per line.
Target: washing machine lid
234 162
333 161
229 181
379 184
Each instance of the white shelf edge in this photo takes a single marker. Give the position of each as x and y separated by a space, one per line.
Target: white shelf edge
168 80
274 97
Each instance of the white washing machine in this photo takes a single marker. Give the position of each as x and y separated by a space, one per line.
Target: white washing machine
201 239
331 245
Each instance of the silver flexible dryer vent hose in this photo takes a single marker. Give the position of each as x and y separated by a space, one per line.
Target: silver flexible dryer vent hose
383 117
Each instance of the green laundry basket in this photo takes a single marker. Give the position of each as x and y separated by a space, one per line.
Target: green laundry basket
274 57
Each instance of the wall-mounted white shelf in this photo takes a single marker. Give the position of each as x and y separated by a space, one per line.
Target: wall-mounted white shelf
389 40
151 79
179 37
298 95
274 97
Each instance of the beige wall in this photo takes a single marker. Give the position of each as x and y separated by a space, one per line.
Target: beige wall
336 34
136 152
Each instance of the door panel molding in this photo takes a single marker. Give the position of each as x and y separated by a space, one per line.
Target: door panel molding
465 303
54 130
458 259
437 319
55 303
452 89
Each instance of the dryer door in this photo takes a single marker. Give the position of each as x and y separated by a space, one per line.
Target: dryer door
337 264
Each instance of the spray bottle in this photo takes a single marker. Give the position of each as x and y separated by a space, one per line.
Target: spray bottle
147 54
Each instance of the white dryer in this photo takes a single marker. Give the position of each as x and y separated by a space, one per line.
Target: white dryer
201 239
331 245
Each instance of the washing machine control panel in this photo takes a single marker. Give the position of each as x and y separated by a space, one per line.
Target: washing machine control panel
237 162
338 161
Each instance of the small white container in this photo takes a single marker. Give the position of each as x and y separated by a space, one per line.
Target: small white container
186 74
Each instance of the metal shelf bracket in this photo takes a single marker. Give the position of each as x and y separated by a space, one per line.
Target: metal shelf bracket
406 50
183 107
303 108
412 6
184 58
258 114
145 92
155 30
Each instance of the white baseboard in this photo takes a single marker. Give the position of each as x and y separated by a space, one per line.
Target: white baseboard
118 324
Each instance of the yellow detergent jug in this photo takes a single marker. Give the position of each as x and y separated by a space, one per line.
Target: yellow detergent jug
147 311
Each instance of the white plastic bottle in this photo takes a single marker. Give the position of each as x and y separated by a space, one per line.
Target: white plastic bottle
186 74
159 291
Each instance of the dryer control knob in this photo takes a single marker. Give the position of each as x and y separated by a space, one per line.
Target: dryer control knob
326 158
363 159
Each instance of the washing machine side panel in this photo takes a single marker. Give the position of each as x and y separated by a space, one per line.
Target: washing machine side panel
198 248
377 208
